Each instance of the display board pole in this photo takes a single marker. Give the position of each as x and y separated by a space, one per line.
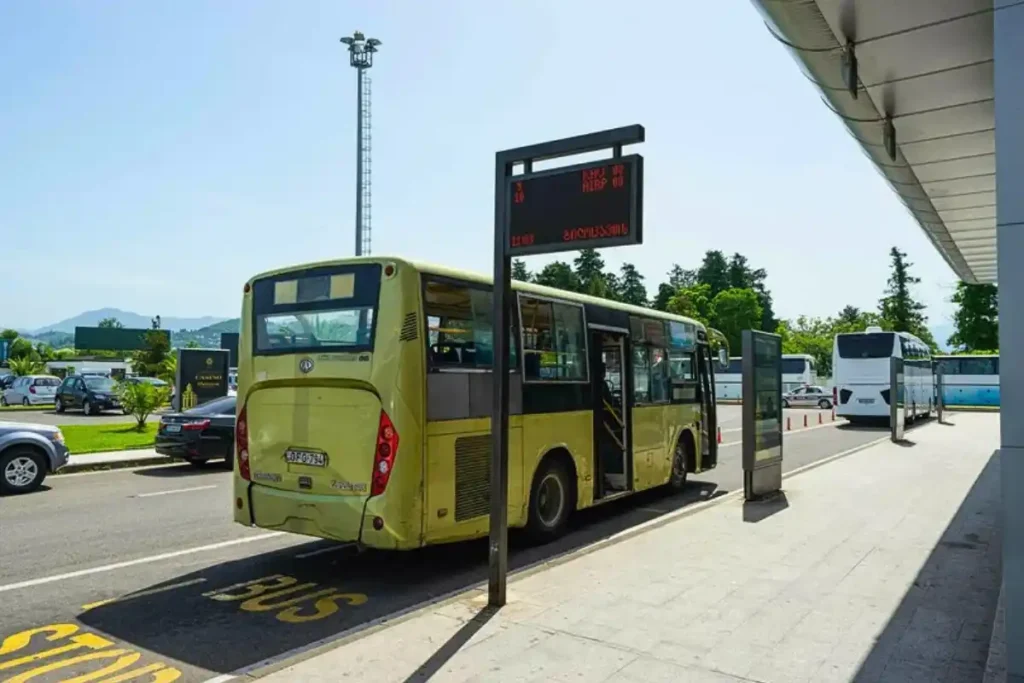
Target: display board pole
897 418
588 205
940 403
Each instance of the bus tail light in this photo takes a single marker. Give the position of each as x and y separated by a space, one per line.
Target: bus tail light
384 456
242 444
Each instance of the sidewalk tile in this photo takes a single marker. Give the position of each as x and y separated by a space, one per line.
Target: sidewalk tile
650 670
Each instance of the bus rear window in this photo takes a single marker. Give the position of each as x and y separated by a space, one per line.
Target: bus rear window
320 309
870 345
794 366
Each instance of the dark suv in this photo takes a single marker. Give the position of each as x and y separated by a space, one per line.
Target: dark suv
91 393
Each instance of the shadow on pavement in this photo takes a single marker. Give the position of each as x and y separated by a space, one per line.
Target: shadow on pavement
451 648
180 470
758 510
236 615
942 627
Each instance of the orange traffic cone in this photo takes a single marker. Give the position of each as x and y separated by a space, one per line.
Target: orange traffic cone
719 435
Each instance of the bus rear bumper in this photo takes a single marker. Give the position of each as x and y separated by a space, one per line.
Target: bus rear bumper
339 518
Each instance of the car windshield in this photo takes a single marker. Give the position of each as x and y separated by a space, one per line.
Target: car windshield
154 381
99 383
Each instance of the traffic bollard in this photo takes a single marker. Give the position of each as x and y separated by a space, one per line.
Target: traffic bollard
819 418
719 435
788 426
805 419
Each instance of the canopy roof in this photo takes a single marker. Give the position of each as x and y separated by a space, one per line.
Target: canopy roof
928 65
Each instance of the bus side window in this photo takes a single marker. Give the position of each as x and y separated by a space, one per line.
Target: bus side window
459 327
554 343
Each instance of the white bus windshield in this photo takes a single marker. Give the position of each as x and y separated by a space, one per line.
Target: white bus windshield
869 345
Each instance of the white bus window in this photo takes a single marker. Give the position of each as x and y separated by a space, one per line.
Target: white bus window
681 367
554 345
978 366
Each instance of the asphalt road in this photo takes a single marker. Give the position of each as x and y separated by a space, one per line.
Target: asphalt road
50 417
149 561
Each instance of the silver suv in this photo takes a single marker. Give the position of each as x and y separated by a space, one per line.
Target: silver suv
28 452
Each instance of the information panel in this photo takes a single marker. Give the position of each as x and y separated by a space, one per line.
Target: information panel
202 376
592 205
762 413
897 400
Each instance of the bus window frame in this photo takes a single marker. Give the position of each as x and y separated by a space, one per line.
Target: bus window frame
514 348
519 296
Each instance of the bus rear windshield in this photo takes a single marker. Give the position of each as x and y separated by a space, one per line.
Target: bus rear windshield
870 345
330 308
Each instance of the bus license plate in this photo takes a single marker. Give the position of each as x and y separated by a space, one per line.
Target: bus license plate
299 457
866 400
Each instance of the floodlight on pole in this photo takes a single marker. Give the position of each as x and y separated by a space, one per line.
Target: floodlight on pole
360 51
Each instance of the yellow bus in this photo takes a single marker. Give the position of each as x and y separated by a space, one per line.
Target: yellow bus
364 402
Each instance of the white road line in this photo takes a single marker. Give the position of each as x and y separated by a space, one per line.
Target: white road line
221 679
167 493
321 551
132 563
142 594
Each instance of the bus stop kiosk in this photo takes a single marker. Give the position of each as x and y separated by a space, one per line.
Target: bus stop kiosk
595 204
897 401
762 414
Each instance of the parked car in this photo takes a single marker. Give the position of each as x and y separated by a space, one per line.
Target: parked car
808 396
200 434
155 381
28 452
6 381
30 390
91 393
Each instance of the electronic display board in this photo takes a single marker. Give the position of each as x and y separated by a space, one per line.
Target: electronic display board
592 205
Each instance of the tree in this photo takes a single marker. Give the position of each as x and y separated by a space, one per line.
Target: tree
714 272
898 307
589 267
24 366
976 320
149 361
692 302
742 276
192 344
734 310
678 278
112 323
9 335
21 348
519 271
140 399
558 274
631 286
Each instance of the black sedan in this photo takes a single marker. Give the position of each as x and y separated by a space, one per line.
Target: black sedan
200 434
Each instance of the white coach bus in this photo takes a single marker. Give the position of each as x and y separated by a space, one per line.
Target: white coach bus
860 373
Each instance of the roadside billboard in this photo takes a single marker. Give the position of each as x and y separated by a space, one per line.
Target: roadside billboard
202 376
114 338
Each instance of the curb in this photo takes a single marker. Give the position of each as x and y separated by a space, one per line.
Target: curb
72 468
995 663
270 666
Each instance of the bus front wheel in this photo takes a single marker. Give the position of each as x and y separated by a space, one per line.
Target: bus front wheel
551 500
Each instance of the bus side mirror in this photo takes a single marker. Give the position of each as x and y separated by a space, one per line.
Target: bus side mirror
723 358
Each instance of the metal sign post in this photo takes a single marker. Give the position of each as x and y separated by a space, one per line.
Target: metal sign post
762 414
591 205
897 416
940 402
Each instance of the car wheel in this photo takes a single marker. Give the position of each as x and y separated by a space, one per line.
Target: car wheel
58 405
22 470
551 501
824 404
87 408
25 402
785 403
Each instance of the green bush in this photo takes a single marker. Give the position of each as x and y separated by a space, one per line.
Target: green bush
141 399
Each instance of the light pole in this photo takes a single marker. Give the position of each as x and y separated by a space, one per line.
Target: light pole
360 53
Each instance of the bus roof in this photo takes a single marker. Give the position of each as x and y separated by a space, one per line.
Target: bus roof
469 276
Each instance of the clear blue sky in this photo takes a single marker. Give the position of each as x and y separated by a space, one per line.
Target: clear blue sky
156 154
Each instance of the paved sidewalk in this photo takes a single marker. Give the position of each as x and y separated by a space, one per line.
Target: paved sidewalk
134 457
879 566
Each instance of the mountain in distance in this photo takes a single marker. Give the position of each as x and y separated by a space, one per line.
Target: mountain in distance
128 319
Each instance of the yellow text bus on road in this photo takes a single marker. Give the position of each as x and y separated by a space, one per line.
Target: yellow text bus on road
364 404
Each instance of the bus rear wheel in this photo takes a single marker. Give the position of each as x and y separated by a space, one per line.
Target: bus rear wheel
551 501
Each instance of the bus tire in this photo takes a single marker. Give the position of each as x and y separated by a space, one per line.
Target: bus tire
685 454
552 499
